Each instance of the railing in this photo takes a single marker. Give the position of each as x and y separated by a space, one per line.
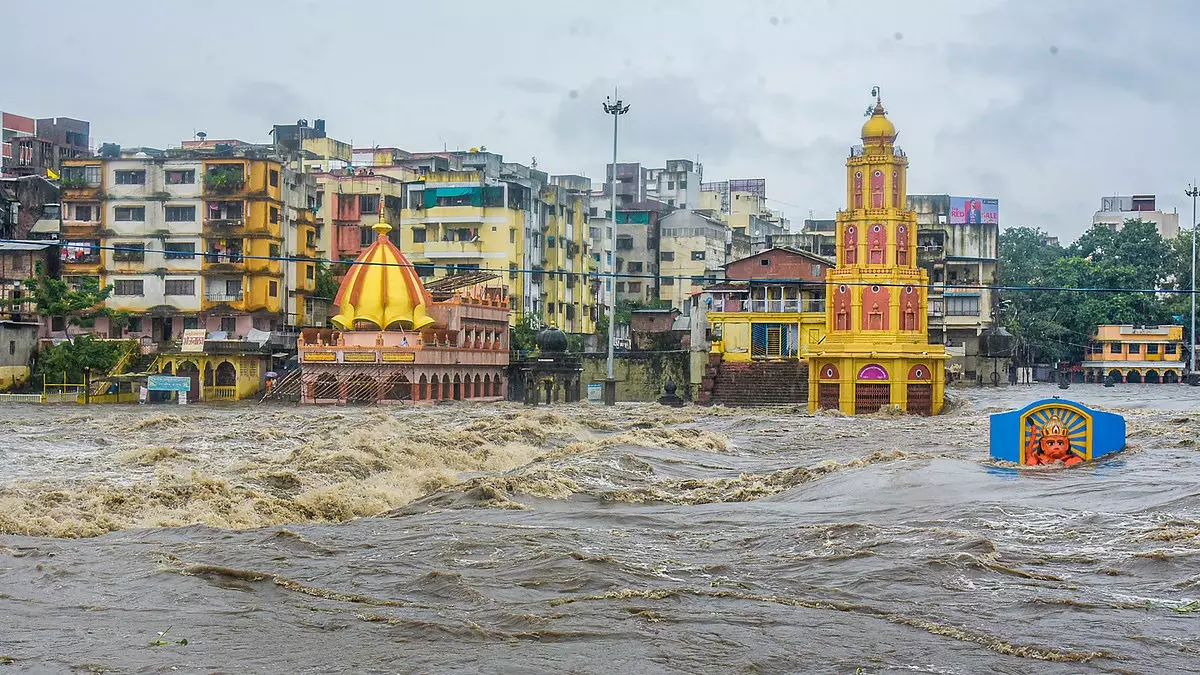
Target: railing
223 297
474 247
778 306
21 398
220 393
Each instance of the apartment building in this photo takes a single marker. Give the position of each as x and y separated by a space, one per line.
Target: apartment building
1114 211
508 218
958 244
693 251
191 238
636 251
349 202
37 147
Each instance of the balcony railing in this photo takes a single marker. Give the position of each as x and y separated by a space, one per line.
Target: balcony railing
463 248
777 306
220 393
220 296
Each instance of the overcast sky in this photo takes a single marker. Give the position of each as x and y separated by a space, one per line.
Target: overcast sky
1046 105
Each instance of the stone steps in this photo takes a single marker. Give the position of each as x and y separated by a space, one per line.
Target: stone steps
760 383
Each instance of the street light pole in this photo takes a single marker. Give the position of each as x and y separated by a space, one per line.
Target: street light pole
1193 191
616 109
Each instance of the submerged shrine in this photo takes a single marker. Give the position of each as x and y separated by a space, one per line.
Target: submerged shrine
394 342
1055 430
876 350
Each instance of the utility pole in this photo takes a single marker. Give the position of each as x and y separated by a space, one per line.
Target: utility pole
616 109
1193 377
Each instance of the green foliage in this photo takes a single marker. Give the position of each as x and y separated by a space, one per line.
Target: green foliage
55 298
524 333
224 179
75 357
1055 325
327 285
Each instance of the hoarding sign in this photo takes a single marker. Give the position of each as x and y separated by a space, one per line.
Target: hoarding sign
193 340
974 210
168 383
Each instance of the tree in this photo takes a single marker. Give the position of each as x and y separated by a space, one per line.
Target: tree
326 286
70 360
525 332
80 306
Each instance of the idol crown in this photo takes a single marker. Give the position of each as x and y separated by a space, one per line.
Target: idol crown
1054 427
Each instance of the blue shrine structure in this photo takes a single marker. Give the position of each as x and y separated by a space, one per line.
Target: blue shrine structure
1055 430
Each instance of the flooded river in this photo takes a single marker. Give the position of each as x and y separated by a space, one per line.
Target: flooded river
640 539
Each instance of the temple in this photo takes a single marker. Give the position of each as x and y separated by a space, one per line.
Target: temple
394 341
876 351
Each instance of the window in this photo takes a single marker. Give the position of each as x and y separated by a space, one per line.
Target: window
1115 347
624 243
670 185
666 256
191 323
1172 349
273 250
274 214
635 267
764 262
182 177
1135 348
274 178
12 347
135 324
620 286
697 255
181 214
84 212
180 250
365 236
668 281
635 287
129 252
273 289
233 288
80 176
816 270
418 235
1095 347
179 287
130 213
962 306
424 271
512 270
368 203
127 287
131 177
1152 348
310 272
229 325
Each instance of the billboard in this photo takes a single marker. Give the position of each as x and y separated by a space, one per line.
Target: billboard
974 210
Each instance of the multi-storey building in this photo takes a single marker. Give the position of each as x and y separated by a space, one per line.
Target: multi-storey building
749 215
637 250
1114 211
505 217
191 238
350 202
693 251
815 236
38 147
677 185
958 250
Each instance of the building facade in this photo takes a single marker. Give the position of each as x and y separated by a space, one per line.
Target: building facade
694 249
960 259
38 147
876 352
771 307
1114 211
1150 354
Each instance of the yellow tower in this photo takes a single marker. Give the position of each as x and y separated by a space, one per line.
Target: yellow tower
876 351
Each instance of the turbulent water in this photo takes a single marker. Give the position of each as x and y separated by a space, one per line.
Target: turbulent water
640 539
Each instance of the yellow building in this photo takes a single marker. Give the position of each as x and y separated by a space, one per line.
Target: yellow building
218 376
876 352
525 225
773 306
1150 354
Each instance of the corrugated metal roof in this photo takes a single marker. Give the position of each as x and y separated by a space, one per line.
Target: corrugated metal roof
12 245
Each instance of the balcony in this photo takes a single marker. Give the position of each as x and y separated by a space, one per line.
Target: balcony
224 180
792 306
229 225
454 249
225 297
80 229
224 262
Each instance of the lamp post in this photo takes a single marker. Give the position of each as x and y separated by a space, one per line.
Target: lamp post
616 109
1194 378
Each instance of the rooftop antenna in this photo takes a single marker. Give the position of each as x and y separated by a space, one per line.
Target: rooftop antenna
878 102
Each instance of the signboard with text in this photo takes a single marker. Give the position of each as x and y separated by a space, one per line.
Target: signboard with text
193 340
168 383
974 210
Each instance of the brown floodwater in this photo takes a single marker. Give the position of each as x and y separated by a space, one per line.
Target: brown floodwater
637 539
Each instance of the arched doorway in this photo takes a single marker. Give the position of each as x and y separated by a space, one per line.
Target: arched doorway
398 389
361 388
1115 375
457 387
189 369
423 388
1134 377
920 390
478 386
208 374
226 375
447 393
487 385
1152 377
327 387
1170 377
872 391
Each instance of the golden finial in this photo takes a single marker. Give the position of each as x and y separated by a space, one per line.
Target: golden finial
382 228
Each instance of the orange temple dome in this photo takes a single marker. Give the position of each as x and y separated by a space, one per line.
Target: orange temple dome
383 289
878 127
